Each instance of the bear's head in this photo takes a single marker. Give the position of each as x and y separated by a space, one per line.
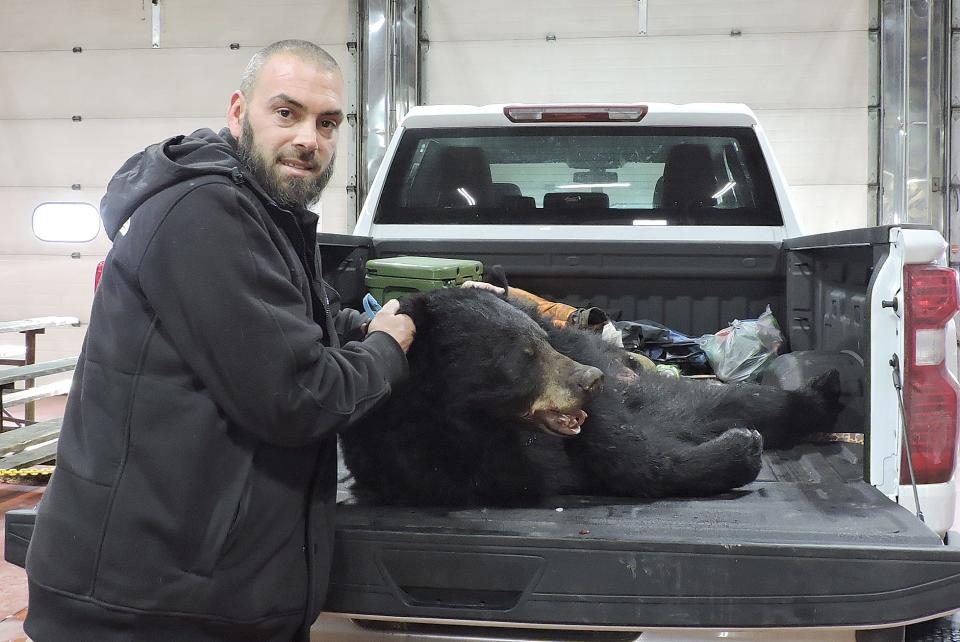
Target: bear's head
479 354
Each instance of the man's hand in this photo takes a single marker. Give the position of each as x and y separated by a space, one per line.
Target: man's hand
398 326
489 287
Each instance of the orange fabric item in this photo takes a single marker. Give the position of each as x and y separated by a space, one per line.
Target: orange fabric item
558 313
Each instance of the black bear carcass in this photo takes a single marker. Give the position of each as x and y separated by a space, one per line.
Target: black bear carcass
502 409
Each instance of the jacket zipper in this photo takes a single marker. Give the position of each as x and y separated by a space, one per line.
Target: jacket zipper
315 283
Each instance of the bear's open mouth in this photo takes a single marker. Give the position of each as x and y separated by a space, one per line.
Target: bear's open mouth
565 424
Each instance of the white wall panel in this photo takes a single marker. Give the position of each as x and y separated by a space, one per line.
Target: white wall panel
62 153
129 96
765 71
41 279
37 25
455 20
670 17
804 67
18 239
156 83
333 210
49 286
213 23
827 208
819 146
34 286
15 221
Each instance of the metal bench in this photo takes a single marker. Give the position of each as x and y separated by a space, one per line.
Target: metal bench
34 370
29 328
28 395
30 445
10 397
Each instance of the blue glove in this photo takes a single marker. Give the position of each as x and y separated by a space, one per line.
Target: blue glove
371 306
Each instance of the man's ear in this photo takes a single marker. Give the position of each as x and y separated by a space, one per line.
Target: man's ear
235 113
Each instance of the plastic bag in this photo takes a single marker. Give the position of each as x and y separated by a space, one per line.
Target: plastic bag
741 352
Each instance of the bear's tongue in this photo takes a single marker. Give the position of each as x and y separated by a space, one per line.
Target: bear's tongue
563 423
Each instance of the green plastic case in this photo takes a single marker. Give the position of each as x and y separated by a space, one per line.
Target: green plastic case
399 276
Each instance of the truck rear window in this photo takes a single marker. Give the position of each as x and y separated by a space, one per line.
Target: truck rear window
579 176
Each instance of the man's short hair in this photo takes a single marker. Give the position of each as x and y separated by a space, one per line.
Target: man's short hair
302 49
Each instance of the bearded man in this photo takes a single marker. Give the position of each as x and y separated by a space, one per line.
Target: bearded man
196 474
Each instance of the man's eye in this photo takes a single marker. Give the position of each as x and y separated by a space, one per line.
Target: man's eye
328 124
283 112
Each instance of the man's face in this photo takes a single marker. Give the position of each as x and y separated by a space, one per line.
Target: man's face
288 128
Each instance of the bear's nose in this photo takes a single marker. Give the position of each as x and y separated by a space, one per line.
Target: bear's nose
590 380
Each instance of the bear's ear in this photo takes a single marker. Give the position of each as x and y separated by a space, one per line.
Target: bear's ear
415 307
496 276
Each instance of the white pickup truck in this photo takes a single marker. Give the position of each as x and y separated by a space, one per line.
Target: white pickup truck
679 214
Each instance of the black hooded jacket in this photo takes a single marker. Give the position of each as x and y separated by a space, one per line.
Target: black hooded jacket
196 472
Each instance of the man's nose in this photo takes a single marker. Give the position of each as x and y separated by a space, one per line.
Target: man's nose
306 138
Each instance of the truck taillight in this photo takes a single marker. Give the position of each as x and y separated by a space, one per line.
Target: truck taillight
97 276
574 113
930 391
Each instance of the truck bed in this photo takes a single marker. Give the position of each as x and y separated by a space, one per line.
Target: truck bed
807 544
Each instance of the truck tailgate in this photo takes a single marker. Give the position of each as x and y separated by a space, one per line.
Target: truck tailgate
807 544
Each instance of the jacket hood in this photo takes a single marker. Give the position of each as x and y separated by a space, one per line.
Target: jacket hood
162 165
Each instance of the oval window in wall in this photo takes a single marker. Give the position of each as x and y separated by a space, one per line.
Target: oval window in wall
66 222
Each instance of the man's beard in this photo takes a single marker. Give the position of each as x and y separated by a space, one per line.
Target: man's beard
287 191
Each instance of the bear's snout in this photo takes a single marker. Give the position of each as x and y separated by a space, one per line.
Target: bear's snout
589 380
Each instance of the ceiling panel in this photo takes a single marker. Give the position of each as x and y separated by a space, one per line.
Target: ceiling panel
766 72
819 146
62 153
36 25
155 82
455 20
212 23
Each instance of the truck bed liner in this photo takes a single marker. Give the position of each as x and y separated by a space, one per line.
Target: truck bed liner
807 544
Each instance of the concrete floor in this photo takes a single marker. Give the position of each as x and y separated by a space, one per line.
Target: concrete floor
13 580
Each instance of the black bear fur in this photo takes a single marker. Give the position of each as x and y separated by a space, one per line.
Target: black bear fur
467 428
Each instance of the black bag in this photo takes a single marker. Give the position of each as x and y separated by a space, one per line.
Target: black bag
663 345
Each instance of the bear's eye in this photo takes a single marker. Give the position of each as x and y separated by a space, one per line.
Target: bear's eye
528 351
